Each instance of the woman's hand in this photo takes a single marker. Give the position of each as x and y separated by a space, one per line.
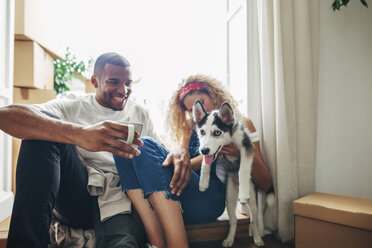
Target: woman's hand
182 170
230 149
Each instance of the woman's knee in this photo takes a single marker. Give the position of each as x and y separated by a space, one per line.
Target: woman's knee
149 144
151 150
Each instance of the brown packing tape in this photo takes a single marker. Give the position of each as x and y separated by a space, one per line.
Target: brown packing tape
25 94
342 210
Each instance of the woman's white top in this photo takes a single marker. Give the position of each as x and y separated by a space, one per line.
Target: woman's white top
220 168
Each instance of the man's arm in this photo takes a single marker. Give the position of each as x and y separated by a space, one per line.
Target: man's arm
25 122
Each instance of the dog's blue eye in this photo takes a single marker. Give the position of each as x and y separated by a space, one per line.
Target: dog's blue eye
217 133
202 132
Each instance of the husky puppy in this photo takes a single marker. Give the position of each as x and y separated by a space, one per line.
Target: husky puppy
216 129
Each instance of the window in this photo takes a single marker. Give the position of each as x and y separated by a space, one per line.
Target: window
6 95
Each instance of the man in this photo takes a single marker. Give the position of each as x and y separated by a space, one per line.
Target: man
63 136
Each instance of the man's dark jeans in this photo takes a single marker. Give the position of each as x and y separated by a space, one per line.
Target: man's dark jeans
50 175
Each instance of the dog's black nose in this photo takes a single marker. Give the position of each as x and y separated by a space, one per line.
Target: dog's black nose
205 151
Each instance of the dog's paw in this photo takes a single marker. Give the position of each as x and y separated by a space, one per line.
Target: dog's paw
203 185
228 242
202 189
259 242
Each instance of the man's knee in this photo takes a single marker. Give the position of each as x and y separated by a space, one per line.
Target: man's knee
123 230
123 240
33 147
38 142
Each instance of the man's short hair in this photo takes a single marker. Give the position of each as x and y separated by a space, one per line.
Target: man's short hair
109 58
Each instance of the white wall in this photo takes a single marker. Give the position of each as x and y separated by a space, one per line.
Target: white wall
164 40
344 138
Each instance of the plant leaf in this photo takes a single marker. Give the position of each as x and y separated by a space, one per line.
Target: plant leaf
336 5
364 3
64 71
345 2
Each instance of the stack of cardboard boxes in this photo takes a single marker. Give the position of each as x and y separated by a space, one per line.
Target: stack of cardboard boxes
33 65
39 40
33 81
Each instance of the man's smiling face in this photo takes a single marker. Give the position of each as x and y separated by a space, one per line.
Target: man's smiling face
113 86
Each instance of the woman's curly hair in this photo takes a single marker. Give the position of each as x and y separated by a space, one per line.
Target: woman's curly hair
179 121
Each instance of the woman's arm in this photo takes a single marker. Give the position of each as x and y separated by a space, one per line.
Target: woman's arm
196 161
260 173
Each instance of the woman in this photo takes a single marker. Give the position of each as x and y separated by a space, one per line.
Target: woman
212 94
144 177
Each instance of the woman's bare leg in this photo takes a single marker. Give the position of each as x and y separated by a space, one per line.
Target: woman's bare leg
150 220
170 216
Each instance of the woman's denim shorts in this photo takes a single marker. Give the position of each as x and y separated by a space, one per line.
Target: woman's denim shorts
147 173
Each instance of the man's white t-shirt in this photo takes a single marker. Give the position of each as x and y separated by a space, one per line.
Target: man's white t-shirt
86 111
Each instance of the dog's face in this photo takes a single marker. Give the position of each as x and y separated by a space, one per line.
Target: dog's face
214 129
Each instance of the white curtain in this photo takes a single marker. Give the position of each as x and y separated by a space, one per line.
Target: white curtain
283 40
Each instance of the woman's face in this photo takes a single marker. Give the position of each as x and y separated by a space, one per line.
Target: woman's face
205 99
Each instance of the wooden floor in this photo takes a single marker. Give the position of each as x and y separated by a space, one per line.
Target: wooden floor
270 242
218 229
199 232
4 227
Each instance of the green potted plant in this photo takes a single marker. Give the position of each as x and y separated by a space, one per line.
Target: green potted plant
337 4
67 69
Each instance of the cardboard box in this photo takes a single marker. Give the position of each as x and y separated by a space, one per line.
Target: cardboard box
40 21
89 88
16 144
325 220
33 66
32 96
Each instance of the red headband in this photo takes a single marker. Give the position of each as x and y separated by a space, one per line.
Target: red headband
188 88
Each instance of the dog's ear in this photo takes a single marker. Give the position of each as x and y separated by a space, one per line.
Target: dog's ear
226 114
198 111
